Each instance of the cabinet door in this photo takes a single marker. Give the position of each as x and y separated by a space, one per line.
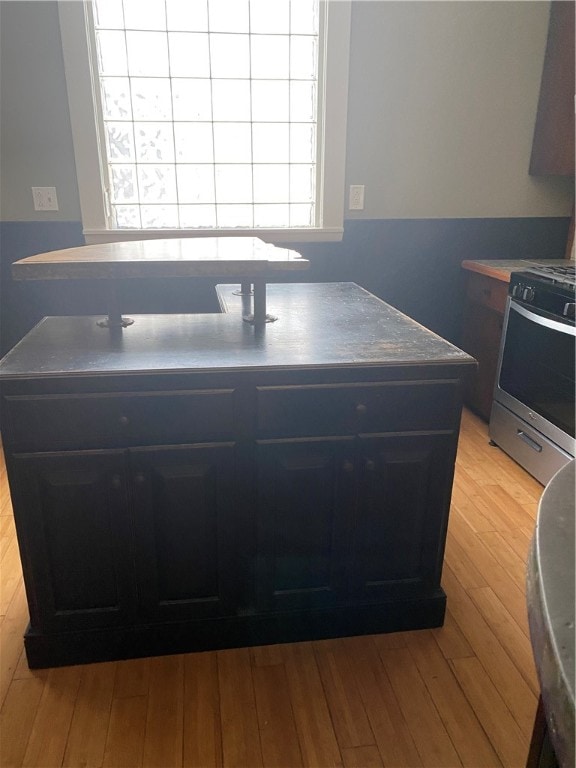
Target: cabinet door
481 337
404 495
305 503
72 515
185 510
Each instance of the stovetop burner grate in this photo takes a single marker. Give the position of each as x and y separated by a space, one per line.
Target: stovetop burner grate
562 274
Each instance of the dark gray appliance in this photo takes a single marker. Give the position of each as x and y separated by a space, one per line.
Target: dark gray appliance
533 411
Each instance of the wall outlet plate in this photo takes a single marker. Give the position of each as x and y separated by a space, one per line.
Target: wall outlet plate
45 198
356 199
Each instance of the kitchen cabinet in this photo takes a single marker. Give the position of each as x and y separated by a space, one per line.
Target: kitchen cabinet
485 303
75 543
553 142
94 514
198 483
183 531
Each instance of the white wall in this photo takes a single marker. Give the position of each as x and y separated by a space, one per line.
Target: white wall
443 100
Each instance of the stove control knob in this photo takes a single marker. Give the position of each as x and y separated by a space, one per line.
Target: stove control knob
517 289
569 310
528 294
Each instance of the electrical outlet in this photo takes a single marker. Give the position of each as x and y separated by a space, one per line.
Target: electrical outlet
356 200
45 198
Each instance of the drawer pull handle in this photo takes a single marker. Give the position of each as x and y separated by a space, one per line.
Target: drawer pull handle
370 465
139 478
528 440
361 409
124 421
348 466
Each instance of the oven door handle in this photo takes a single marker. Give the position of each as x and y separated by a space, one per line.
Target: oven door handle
570 330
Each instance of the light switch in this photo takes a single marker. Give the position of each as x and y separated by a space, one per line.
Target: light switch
45 198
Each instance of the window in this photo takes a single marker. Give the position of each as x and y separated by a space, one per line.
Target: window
208 115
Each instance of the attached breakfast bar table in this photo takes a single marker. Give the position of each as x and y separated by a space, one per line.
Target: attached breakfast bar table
247 259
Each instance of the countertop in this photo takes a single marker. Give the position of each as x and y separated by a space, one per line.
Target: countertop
501 269
319 325
234 257
550 594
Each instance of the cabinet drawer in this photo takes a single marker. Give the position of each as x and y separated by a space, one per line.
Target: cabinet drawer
350 409
54 422
487 291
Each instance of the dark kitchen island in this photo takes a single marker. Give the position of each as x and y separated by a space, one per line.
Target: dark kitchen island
194 481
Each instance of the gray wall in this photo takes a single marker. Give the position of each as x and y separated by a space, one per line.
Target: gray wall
442 105
35 136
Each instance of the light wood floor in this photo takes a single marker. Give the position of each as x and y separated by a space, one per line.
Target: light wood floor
464 694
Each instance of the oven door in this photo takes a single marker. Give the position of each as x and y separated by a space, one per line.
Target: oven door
536 372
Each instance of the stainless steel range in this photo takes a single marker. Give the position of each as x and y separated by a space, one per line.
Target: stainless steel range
533 412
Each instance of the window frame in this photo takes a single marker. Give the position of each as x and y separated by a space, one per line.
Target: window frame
77 34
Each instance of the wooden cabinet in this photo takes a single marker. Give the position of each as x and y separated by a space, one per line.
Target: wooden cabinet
184 532
402 486
350 518
115 535
553 143
485 304
305 509
198 483
75 539
286 527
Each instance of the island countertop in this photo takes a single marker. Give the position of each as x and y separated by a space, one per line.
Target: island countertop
319 325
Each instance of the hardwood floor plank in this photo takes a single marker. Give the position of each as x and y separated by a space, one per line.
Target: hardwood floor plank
496 577
427 729
507 738
450 639
126 733
7 533
5 499
89 728
132 678
462 725
362 757
518 541
395 743
240 735
501 669
514 566
164 721
264 655
390 641
468 497
202 727
507 505
314 726
513 640
278 736
16 719
49 734
344 700
458 558
475 432
11 633
11 575
23 671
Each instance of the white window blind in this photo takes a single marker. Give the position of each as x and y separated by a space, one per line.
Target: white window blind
208 114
